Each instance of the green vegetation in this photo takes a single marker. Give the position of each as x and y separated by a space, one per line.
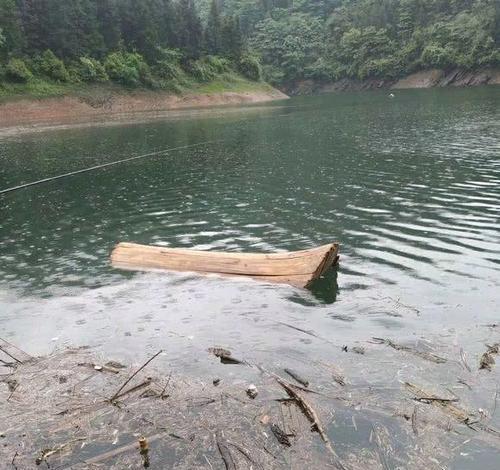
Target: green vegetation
48 46
53 47
328 40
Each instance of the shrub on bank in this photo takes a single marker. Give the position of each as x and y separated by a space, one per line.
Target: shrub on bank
250 67
52 67
91 70
128 68
17 71
208 68
167 67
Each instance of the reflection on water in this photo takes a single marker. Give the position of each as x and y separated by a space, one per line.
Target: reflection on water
409 186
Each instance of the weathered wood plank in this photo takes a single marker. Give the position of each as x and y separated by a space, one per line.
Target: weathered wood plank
297 268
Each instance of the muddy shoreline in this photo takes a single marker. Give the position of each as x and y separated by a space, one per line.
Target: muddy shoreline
112 108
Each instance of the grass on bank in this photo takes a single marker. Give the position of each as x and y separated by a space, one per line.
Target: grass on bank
39 89
47 76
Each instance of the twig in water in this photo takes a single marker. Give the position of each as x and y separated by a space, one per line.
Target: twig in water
13 460
113 398
494 402
297 377
487 361
307 332
245 453
162 394
399 347
4 345
225 453
463 382
414 421
208 461
312 416
10 355
133 389
118 451
464 360
46 453
441 399
280 435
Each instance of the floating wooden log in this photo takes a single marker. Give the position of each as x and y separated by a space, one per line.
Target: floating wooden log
298 268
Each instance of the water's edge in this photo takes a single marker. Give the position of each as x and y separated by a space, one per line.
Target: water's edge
30 114
435 78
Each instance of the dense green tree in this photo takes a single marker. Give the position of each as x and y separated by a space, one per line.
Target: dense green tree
231 40
10 25
189 29
294 40
213 29
109 26
289 43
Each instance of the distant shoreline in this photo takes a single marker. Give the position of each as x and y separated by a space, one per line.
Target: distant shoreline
433 78
111 108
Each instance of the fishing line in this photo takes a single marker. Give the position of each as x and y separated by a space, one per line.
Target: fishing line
104 165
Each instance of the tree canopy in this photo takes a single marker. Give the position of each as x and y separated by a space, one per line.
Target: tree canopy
148 42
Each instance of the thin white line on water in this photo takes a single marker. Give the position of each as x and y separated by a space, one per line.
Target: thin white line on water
97 167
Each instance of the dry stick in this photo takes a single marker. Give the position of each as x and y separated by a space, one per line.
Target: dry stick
162 394
225 453
6 343
13 460
381 450
307 332
46 453
297 377
120 450
298 387
133 389
313 418
134 374
494 402
245 453
399 347
464 360
414 421
10 355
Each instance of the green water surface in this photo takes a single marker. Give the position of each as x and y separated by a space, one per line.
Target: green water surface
410 187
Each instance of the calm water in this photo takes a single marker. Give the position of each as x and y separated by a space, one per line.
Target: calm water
410 186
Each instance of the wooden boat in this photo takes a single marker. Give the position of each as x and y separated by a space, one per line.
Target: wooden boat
298 268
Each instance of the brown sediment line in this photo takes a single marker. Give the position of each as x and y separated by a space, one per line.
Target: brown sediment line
28 115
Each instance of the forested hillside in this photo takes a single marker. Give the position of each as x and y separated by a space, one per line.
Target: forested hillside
157 44
168 44
332 39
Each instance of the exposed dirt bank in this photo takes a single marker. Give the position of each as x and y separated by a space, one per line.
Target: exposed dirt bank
424 79
111 107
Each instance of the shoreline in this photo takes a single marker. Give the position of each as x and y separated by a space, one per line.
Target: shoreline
434 78
111 108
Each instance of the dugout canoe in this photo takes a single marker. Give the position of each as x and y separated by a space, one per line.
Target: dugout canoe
298 268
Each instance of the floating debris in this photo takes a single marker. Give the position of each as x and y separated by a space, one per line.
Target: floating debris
252 391
280 435
144 451
294 375
487 360
224 355
399 347
358 350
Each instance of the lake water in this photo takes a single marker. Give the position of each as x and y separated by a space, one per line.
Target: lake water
409 186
